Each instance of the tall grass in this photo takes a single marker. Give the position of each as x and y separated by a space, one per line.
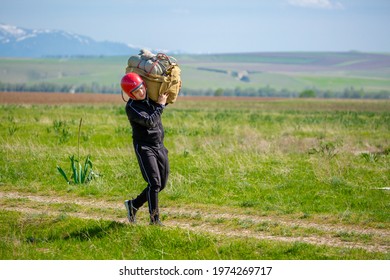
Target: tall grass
44 237
279 158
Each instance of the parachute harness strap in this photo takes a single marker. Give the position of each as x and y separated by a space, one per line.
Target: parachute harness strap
123 98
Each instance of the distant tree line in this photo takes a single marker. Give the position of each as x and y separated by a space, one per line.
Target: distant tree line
267 91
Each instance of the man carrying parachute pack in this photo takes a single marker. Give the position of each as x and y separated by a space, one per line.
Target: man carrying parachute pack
148 140
151 82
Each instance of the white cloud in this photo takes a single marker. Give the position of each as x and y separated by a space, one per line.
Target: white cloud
321 4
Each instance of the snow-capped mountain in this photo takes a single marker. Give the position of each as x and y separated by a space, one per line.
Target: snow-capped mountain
23 42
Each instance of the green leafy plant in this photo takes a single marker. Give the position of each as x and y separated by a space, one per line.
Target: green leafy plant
370 157
80 174
62 130
12 129
328 149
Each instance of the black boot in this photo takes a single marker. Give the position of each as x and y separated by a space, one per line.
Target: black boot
155 220
131 211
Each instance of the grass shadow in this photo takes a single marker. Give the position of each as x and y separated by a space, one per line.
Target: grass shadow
95 231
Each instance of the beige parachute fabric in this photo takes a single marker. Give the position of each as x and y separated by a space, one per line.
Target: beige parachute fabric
160 73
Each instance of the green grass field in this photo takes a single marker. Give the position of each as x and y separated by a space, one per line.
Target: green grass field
293 71
283 179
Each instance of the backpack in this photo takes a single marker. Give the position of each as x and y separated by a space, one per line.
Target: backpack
160 73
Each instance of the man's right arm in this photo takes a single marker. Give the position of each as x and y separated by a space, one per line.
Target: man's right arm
143 118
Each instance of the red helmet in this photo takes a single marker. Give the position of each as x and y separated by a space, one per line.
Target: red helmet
130 82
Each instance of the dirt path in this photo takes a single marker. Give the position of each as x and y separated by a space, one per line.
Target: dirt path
212 222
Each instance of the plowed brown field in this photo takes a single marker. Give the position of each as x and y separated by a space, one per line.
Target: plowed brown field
89 98
57 98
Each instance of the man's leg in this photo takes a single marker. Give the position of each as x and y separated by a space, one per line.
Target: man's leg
147 159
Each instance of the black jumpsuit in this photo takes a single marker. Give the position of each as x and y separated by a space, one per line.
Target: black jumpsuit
148 136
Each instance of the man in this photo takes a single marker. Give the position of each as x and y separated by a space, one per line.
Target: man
148 135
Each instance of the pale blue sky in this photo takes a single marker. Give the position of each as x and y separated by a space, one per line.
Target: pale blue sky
214 26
